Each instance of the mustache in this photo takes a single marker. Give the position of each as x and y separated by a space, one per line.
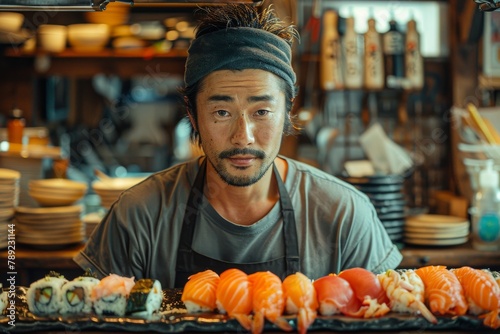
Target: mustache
242 151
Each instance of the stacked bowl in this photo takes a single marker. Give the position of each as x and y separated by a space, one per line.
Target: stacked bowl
56 192
109 189
9 198
386 194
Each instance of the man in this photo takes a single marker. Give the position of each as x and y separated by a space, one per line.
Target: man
241 205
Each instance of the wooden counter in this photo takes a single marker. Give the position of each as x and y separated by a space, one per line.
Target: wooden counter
31 264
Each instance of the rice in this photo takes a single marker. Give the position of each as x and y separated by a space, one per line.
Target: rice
193 307
44 296
145 298
76 295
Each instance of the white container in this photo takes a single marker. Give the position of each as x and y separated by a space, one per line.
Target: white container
52 38
11 21
486 211
88 36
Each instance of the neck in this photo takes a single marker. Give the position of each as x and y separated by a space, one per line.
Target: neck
243 205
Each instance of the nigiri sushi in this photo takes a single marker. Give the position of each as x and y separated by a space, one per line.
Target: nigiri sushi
268 301
482 293
109 297
300 299
443 292
234 296
199 294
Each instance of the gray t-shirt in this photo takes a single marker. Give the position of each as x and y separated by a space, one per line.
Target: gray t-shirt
337 228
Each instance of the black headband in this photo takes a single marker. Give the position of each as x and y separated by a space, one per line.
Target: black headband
237 49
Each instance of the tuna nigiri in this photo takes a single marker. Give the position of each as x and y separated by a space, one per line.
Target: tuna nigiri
443 292
199 292
268 301
335 296
368 291
482 293
234 296
300 299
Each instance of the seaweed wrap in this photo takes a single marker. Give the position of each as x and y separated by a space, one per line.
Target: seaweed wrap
109 297
145 298
76 294
44 296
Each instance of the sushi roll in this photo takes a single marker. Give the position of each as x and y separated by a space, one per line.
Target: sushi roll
145 298
4 301
44 296
76 294
109 297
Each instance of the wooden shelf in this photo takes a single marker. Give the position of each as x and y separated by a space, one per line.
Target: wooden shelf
107 61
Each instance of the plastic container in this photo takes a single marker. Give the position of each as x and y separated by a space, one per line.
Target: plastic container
486 211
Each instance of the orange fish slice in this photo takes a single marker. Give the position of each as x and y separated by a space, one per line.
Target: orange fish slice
443 292
300 299
482 293
234 296
199 292
268 301
335 296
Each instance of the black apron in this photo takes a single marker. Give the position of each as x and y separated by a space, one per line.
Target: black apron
189 262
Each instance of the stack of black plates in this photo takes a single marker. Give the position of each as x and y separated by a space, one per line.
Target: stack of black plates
386 195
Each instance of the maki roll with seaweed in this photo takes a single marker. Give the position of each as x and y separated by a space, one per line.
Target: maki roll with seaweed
44 296
76 294
145 298
110 296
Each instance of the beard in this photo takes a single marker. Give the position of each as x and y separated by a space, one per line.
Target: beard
240 181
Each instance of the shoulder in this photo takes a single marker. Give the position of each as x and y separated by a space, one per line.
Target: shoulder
302 177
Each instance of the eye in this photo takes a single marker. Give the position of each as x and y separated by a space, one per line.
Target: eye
262 112
222 113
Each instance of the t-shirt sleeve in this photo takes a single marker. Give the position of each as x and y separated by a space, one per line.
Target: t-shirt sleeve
109 248
369 245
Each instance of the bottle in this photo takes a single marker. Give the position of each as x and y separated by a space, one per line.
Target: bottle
373 62
486 211
353 75
15 127
330 58
393 46
414 63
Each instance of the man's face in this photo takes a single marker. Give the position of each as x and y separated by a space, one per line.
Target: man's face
240 122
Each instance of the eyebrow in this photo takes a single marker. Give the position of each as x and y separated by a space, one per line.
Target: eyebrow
226 98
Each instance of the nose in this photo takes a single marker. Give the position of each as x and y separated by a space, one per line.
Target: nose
242 131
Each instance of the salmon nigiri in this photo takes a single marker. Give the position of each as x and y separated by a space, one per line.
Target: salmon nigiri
300 299
268 301
443 292
199 292
234 296
482 293
368 290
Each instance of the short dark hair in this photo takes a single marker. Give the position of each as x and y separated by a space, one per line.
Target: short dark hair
212 19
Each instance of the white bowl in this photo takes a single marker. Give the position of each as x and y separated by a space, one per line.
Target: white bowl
88 36
58 184
10 21
49 200
52 38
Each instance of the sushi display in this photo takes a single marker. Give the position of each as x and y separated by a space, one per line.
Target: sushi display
427 297
113 295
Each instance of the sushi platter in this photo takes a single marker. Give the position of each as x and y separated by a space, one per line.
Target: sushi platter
173 318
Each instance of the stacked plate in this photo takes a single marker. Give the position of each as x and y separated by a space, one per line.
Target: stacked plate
436 230
56 192
48 228
110 189
386 194
9 197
